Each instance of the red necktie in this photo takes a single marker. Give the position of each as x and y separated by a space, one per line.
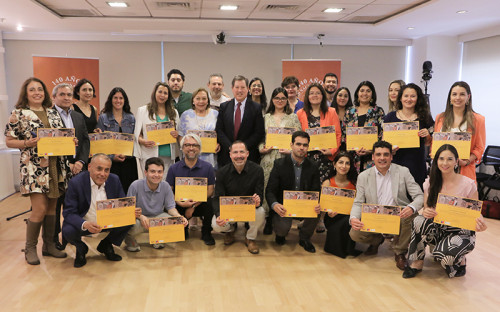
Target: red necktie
237 121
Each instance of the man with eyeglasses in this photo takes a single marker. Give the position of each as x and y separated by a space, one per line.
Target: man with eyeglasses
293 172
193 167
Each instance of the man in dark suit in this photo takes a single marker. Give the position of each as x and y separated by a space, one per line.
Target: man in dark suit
62 97
293 172
79 212
239 119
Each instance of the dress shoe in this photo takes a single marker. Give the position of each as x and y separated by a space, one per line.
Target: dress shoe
308 246
280 240
228 238
401 262
373 249
80 256
208 239
252 246
106 248
410 272
61 246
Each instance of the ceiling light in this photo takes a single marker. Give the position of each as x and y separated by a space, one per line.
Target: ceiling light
19 28
462 12
228 7
117 4
411 28
333 10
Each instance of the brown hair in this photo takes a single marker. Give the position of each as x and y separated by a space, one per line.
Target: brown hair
23 102
153 105
448 116
196 93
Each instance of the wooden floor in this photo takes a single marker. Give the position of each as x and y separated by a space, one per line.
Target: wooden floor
190 276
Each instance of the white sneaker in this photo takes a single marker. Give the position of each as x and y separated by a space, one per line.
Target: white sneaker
158 246
131 244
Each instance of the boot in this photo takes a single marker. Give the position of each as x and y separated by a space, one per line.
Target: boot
32 232
49 246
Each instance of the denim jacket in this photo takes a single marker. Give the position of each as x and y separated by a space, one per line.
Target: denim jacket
107 122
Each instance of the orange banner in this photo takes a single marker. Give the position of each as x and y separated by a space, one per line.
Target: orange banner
55 70
309 71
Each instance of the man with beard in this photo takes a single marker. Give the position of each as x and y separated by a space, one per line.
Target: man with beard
182 100
240 178
216 87
193 167
330 82
293 172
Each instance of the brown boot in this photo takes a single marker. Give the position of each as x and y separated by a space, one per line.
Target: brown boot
49 246
32 232
252 246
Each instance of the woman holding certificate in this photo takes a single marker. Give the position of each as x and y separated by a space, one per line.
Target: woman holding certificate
279 114
460 117
84 92
451 243
159 109
116 117
200 117
342 102
43 179
411 105
365 113
338 241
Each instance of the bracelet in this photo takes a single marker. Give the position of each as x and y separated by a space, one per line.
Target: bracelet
468 162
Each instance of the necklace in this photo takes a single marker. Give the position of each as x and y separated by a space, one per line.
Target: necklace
405 117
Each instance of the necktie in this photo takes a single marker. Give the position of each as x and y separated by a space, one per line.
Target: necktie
237 120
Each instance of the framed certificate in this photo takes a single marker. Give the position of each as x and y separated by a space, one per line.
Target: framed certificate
380 219
160 132
460 140
300 204
191 189
322 138
112 213
402 134
166 230
337 200
237 208
457 211
358 137
56 142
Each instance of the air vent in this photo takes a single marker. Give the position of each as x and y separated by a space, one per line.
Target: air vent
173 5
281 7
364 19
75 12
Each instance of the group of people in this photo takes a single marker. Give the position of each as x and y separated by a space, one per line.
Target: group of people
244 165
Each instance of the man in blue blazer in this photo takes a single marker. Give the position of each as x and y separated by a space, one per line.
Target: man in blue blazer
249 129
79 209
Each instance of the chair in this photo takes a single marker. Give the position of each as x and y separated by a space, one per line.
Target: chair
491 157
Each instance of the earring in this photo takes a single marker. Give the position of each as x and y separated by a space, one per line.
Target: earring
456 166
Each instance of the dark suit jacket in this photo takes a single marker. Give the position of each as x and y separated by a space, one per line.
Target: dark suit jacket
78 196
83 148
282 178
251 130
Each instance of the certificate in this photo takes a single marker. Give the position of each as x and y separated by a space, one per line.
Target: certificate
208 140
111 143
166 230
380 219
460 140
358 137
112 213
337 199
237 208
56 142
402 134
457 211
279 138
299 204
322 138
191 188
160 132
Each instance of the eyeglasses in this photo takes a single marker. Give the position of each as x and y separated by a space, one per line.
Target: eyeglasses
188 145
281 99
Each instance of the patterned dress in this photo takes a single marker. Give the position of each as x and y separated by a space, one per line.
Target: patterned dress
373 118
267 161
452 244
34 170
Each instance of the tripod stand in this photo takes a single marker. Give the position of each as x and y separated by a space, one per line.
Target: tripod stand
19 214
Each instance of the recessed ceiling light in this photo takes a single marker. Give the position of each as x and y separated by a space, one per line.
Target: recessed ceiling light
333 10
19 28
411 28
117 4
228 7
462 12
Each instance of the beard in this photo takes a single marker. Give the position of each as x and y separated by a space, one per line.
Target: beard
330 92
